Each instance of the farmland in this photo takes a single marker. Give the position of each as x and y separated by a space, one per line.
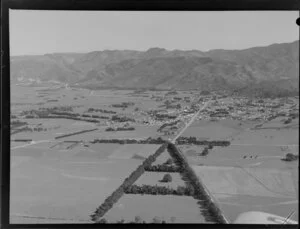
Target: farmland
67 168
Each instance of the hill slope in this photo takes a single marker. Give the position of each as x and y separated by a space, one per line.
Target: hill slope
247 70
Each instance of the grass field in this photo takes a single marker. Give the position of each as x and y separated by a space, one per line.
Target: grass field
83 178
56 181
184 209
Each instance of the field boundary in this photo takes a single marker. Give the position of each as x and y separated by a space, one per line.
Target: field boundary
119 192
210 207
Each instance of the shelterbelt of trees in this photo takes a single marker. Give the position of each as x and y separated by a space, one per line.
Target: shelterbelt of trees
101 110
67 113
120 129
54 113
75 133
149 140
210 209
160 190
160 129
159 140
119 192
194 141
163 168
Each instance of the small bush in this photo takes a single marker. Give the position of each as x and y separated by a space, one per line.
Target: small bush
167 178
290 157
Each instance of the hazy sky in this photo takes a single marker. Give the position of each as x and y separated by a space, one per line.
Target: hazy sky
40 32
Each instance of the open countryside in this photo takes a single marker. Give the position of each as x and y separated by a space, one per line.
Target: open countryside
108 157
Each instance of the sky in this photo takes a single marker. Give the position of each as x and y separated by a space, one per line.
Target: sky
39 32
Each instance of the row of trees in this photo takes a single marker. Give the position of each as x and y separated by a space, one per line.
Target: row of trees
101 110
116 195
193 140
22 140
138 220
163 168
123 105
75 133
29 129
149 140
170 124
17 123
160 190
117 118
164 116
61 116
210 210
95 116
19 130
120 129
61 112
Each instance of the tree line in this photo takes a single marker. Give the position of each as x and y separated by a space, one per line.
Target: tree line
210 209
138 220
163 168
75 133
160 190
117 118
160 129
101 110
193 140
118 193
123 105
149 140
120 129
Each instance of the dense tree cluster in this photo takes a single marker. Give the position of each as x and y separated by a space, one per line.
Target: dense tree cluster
75 133
204 92
120 129
290 157
193 140
17 123
287 121
116 195
149 140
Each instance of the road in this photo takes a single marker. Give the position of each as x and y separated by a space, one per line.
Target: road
190 122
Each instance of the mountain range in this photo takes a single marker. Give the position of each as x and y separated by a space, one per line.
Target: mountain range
269 69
